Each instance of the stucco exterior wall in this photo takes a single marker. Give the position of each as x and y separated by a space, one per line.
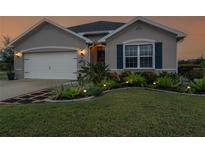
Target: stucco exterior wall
47 35
140 30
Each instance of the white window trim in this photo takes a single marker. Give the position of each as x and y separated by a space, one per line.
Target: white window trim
139 42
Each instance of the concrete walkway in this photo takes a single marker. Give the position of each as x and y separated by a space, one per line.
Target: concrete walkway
9 89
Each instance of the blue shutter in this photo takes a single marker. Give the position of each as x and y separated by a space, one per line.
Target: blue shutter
158 55
119 56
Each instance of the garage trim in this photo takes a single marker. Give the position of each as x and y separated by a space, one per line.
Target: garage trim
48 48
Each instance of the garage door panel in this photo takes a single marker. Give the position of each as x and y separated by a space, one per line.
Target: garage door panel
58 65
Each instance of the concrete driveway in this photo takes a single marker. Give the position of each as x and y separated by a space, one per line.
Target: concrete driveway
9 89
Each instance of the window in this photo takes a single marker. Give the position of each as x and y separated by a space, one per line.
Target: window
131 56
139 56
146 52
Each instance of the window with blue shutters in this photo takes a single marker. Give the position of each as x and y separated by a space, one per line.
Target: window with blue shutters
139 56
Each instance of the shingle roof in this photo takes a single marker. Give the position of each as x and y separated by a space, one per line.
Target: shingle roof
96 26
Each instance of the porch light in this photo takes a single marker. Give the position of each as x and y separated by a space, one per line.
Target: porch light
154 83
104 85
188 87
82 52
127 82
18 54
85 91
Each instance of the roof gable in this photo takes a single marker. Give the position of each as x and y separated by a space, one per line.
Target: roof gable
31 29
180 35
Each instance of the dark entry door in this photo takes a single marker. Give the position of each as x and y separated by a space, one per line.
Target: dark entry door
101 55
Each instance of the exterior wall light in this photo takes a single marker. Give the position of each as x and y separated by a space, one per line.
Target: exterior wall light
82 52
18 54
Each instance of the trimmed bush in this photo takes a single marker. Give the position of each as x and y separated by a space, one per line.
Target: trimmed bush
164 82
192 71
135 80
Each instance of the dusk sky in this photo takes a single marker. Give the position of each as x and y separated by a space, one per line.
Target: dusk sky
193 46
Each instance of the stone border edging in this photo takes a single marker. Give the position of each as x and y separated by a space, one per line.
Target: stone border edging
125 88
175 92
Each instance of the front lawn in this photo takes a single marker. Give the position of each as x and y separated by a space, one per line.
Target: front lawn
121 113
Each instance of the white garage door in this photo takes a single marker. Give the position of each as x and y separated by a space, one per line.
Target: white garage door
53 65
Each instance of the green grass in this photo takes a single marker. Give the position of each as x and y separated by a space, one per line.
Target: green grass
3 76
120 113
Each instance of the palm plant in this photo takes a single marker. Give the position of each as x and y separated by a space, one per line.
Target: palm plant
94 72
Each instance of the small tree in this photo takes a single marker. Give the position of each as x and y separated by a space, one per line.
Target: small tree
7 55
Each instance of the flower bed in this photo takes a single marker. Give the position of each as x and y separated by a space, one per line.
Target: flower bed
96 78
163 83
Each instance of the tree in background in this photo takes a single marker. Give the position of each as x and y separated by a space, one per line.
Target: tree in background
7 56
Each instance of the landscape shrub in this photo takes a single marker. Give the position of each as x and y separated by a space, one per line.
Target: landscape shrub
150 77
94 90
183 84
109 84
123 74
3 66
165 82
199 85
112 76
167 74
135 80
57 92
202 63
192 71
94 72
72 92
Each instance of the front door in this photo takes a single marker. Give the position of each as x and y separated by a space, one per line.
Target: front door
100 55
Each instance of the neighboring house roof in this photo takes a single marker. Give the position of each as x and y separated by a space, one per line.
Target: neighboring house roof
180 35
52 23
97 26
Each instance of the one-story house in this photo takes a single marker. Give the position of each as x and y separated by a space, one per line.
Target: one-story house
48 50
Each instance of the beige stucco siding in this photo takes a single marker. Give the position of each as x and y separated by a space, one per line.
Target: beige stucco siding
47 35
141 30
